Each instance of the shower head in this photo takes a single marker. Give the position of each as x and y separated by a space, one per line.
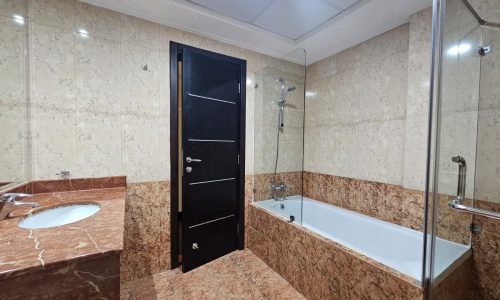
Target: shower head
290 89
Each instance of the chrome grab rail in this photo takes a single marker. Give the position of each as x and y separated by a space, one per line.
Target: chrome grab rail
472 210
456 203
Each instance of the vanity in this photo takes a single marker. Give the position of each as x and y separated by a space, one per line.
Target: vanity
71 242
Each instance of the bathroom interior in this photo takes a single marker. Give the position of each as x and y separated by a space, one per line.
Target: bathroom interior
231 149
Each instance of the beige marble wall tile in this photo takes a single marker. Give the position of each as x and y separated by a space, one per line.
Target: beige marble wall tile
355 104
140 33
97 21
140 147
53 69
488 156
418 99
56 13
98 144
54 142
97 74
140 88
372 161
14 143
12 61
13 7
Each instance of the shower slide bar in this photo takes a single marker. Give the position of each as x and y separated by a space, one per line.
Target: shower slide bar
456 203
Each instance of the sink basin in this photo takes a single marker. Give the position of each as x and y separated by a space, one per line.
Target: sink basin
58 216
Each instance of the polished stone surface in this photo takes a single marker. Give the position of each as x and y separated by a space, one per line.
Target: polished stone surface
147 230
238 275
24 251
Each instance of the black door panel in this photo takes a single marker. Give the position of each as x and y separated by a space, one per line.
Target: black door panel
219 160
212 240
214 200
201 123
212 181
213 77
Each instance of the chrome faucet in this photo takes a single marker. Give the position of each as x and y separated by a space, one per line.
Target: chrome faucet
8 203
279 191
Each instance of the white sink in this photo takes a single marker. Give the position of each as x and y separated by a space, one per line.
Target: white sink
58 216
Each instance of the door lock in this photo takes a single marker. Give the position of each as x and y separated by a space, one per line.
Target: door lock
190 160
189 169
195 246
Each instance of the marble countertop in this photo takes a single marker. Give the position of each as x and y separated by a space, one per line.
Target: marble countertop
23 250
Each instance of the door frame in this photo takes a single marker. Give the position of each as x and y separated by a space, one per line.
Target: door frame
175 52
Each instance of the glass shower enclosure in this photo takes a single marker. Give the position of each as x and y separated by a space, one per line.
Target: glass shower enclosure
279 135
464 185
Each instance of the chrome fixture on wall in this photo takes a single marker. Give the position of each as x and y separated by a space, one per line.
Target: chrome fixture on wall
456 203
279 189
282 101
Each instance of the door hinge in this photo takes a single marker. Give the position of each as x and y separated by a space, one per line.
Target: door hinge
475 228
239 88
237 227
238 159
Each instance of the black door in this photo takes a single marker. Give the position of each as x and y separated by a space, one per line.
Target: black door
211 141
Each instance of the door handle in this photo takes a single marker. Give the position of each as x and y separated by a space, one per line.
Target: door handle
190 160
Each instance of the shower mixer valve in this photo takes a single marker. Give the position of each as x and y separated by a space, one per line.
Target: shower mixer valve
279 191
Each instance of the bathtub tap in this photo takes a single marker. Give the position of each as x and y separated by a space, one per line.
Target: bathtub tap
278 191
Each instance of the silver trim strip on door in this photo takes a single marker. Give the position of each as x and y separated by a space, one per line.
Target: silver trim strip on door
213 99
219 141
204 223
211 181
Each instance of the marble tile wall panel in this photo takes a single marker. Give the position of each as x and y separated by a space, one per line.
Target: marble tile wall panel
147 230
486 254
388 202
88 65
319 268
487 9
14 111
419 54
90 279
262 184
356 103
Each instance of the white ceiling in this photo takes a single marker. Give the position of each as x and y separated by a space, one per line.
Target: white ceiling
277 27
292 19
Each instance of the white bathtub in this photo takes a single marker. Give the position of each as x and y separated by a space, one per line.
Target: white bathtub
392 245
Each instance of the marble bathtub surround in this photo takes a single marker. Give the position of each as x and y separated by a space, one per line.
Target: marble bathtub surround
82 257
322 269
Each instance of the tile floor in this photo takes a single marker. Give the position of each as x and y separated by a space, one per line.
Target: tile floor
238 275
